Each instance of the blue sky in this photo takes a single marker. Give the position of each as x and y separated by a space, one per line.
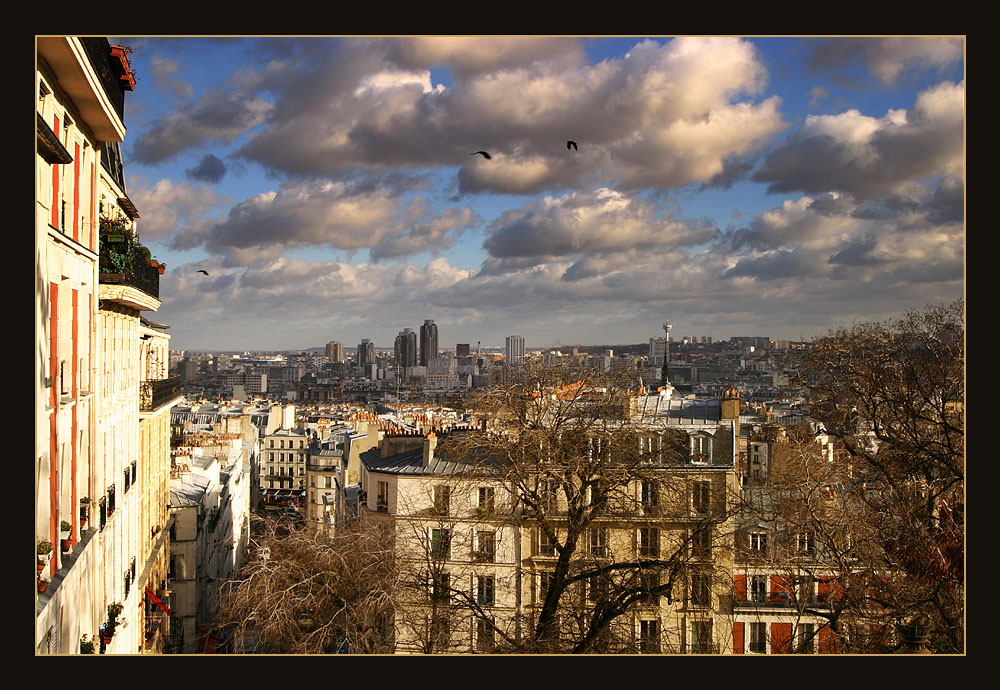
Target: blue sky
734 186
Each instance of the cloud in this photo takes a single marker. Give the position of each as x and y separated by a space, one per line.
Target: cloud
887 57
364 213
218 116
165 78
915 236
434 235
869 157
665 115
604 222
166 205
209 169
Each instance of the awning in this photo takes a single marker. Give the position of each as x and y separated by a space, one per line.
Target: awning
49 146
158 601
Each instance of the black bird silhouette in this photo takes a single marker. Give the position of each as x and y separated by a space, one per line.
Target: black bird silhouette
201 270
572 145
482 153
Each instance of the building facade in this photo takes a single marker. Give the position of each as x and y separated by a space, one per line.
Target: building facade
102 393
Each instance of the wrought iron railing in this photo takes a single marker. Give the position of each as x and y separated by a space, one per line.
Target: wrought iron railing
155 393
145 278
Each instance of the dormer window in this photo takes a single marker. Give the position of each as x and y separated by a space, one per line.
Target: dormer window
701 448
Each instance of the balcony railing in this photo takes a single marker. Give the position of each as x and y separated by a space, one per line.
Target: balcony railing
145 278
156 393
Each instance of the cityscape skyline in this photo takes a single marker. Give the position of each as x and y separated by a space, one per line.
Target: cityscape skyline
735 186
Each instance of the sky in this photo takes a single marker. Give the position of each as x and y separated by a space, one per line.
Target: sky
733 186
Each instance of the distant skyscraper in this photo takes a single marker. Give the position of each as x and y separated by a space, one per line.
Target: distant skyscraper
406 348
515 348
428 342
335 351
366 353
462 350
657 351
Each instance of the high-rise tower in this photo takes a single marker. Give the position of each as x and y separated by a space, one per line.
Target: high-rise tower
406 348
366 353
515 348
428 342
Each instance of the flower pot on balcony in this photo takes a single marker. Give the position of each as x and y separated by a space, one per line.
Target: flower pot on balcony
43 584
66 544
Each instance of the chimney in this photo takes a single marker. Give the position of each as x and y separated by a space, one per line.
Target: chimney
430 443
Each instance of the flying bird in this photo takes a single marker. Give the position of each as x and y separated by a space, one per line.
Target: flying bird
484 154
202 270
572 145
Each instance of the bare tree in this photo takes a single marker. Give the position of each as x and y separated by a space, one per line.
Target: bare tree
605 505
304 590
893 394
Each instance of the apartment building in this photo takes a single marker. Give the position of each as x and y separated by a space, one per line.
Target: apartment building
783 582
101 389
210 507
483 563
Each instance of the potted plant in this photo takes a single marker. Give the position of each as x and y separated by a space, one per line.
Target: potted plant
108 629
43 584
65 528
84 511
44 549
161 268
86 645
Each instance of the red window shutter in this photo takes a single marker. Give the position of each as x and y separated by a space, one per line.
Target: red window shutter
740 582
781 638
828 590
781 588
828 642
738 634
76 194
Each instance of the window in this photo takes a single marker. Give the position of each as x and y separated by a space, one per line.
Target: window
806 638
599 541
649 637
441 587
486 546
804 590
757 588
650 581
485 634
544 581
486 500
758 638
701 637
701 449
442 499
805 543
440 630
548 494
701 494
649 542
757 543
485 590
597 588
701 542
701 589
649 495
440 544
382 504
546 543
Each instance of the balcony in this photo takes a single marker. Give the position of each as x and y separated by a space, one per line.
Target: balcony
125 262
156 393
